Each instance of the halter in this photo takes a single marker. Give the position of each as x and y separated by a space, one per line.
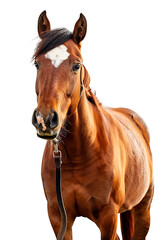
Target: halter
57 156
81 81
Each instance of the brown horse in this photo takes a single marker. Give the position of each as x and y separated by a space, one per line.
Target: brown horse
107 161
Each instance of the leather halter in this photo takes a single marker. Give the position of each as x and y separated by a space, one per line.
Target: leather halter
81 81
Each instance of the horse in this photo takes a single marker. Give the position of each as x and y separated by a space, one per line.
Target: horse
107 161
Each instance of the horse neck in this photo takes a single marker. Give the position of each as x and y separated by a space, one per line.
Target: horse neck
82 129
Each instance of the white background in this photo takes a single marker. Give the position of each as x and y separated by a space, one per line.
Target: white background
122 54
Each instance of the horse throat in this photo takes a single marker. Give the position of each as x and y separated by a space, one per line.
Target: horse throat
81 128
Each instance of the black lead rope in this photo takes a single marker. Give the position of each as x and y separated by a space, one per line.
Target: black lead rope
57 156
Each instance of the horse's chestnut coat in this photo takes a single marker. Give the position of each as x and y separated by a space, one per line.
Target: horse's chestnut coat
107 161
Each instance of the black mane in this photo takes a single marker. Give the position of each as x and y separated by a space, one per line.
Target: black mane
51 40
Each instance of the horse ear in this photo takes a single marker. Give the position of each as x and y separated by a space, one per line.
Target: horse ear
80 29
43 24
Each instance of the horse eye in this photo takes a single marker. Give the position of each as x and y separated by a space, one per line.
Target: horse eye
36 65
76 67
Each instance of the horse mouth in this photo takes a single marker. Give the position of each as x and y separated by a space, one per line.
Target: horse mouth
47 136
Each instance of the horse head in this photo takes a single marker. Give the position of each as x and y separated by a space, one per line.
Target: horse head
60 74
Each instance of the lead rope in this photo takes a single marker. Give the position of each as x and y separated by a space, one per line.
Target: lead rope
57 156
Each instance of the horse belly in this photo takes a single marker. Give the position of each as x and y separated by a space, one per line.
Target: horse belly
137 173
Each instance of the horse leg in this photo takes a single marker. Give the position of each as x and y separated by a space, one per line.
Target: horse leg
107 223
127 225
55 220
142 216
117 238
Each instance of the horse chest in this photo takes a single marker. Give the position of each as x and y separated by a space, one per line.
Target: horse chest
86 189
88 203
90 192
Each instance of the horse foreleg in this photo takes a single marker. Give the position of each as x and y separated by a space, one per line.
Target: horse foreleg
55 220
117 238
127 225
108 223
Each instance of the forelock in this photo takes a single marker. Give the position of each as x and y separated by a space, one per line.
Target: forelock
52 40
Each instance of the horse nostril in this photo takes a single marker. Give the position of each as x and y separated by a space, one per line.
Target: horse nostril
54 119
51 121
34 119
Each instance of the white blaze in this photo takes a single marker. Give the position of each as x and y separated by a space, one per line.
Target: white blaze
57 55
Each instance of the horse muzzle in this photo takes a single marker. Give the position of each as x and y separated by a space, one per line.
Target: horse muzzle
46 126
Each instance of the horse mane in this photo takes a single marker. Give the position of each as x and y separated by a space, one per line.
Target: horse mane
92 98
51 40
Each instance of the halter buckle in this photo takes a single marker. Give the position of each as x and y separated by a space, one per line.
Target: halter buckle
57 155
